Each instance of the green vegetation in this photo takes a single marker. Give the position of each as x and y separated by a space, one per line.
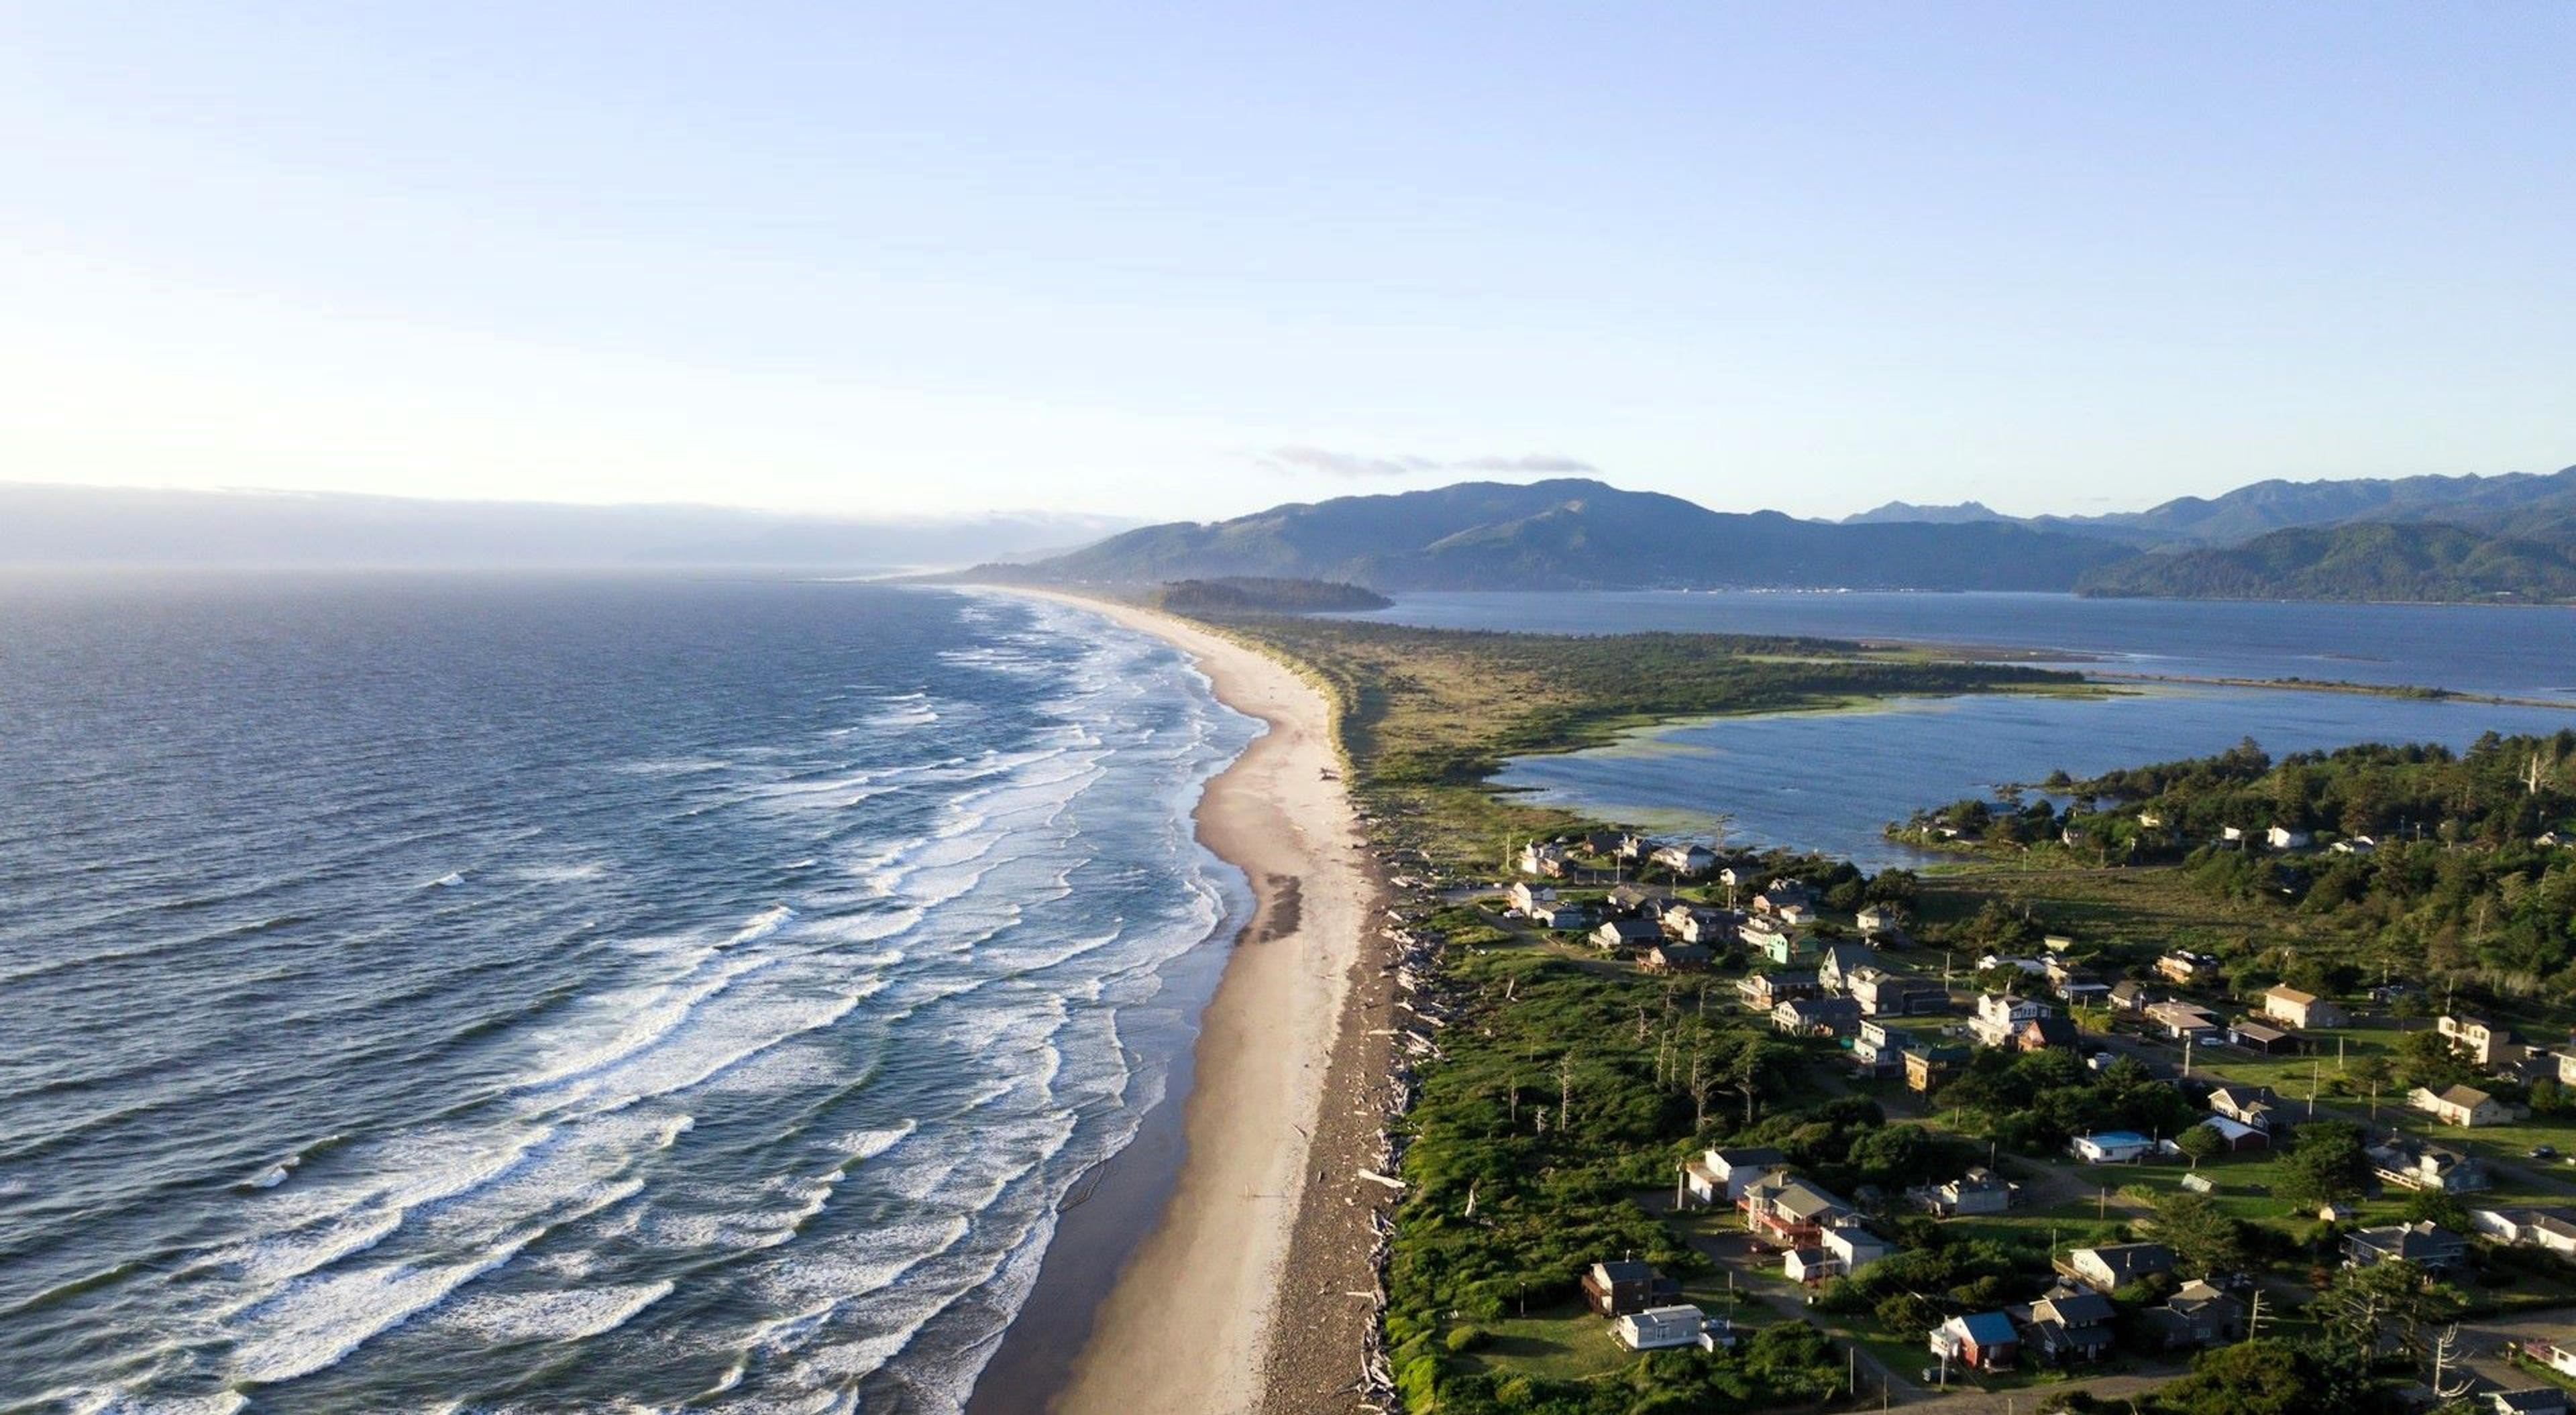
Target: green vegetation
2363 561
2446 871
1253 594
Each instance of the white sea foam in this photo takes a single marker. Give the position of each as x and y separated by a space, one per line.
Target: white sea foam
568 1314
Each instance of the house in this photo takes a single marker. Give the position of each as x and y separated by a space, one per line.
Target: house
2534 1400
1709 927
1688 861
1787 1211
2264 1038
1675 958
2130 995
2567 1067
1722 1175
2427 1245
1764 992
1983 1341
1561 916
1645 903
2184 967
2197 1315
2293 1008
1525 897
2410 1163
1660 1328
2081 989
1876 919
2551 1230
1928 1067
1633 846
2110 1147
1884 994
1627 933
2232 834
2247 1105
2178 1020
2553 839
1979 1191
1783 894
2459 1105
1602 842
1545 859
1877 1050
1816 1017
2355 845
2478 1039
2066 1327
1851 1247
2239 1136
2115 1265
2028 967
1796 916
2050 1033
2000 1017
1807 1265
1769 939
1836 962
2281 837
1614 1289
2151 820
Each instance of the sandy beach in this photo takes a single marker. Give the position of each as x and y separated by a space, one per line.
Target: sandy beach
1193 1323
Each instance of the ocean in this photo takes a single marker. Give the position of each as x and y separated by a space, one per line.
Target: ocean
1832 781
448 993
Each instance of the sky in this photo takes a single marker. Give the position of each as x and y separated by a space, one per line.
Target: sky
1192 260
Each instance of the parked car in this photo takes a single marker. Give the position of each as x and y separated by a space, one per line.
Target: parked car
2544 1152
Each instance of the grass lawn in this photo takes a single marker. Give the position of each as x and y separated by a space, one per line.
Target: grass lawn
1569 1342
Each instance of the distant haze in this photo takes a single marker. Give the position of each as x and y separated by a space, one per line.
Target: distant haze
58 526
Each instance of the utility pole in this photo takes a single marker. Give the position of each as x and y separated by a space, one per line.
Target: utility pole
2316 1070
2339 1041
2187 1038
2254 1318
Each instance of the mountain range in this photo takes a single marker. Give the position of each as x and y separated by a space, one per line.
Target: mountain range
2432 537
1578 534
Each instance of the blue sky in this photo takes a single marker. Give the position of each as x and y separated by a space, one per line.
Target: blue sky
1192 260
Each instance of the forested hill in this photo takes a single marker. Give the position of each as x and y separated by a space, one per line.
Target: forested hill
2372 561
1256 595
1572 534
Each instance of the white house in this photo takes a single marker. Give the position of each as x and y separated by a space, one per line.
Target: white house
1720 1176
2459 1105
2550 1229
2281 837
2355 845
1660 1328
1854 1247
1689 860
1543 858
2481 1040
2294 1008
2000 1015
1560 916
1526 897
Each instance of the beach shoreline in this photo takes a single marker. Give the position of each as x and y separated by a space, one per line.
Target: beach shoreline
1246 1291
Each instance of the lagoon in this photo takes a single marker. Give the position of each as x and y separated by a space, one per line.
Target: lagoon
1830 781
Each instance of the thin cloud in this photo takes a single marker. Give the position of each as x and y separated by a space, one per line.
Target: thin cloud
1352 464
